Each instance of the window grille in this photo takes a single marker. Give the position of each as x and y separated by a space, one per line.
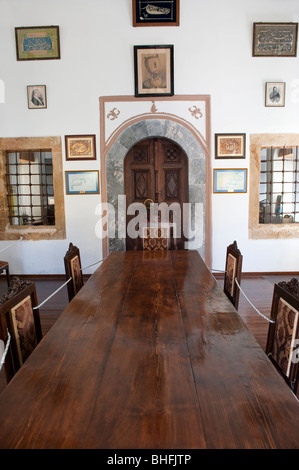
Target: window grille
29 185
279 185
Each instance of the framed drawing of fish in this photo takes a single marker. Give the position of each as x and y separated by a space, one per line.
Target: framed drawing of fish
156 12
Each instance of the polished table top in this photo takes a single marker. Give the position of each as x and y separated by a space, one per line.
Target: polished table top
150 354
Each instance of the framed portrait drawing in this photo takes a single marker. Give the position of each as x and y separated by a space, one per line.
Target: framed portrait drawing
80 147
229 146
275 39
156 13
36 96
37 43
275 94
153 70
82 182
230 180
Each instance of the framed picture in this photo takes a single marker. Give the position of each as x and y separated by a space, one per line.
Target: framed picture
229 145
80 147
82 182
37 96
230 180
275 94
37 43
275 39
153 70
156 13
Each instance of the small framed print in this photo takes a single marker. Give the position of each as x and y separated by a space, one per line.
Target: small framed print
230 180
153 70
82 182
37 42
37 96
229 146
156 13
275 94
275 39
80 147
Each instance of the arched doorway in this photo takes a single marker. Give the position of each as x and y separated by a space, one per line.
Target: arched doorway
199 182
156 170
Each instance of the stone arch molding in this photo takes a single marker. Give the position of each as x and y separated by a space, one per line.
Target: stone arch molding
196 176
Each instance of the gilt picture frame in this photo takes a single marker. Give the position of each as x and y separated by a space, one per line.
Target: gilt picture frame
275 39
154 70
37 42
156 13
80 147
230 146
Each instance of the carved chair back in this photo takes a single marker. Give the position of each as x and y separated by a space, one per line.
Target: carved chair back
283 335
73 270
233 270
20 319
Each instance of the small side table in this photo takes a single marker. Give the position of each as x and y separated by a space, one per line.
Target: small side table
5 268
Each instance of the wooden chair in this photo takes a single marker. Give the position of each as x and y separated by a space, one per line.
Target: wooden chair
233 269
19 318
283 340
4 267
72 264
155 238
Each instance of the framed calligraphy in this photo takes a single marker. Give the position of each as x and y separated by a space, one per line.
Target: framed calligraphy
80 147
229 146
275 39
156 13
37 43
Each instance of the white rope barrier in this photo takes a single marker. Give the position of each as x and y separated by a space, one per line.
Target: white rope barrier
55 292
5 351
97 262
266 318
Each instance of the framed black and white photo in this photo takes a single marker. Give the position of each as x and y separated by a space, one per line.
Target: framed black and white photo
275 94
153 70
37 96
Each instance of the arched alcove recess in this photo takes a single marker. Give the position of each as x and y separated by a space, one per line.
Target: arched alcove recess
197 149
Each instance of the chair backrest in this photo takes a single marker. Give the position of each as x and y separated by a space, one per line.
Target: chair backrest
72 264
283 340
156 238
233 270
19 318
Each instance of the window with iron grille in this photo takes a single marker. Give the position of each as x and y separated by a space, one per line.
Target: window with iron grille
29 184
279 185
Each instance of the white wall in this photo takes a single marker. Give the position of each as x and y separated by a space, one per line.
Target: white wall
213 55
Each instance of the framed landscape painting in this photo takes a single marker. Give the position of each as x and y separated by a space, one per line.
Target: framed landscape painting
37 42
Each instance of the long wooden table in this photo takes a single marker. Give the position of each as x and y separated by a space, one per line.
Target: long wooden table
150 354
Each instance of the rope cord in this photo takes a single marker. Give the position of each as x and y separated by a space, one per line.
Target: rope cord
11 244
55 292
5 351
59 288
266 318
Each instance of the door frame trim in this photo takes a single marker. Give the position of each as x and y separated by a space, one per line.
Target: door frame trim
147 125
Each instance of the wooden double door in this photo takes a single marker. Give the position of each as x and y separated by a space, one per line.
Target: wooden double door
156 169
